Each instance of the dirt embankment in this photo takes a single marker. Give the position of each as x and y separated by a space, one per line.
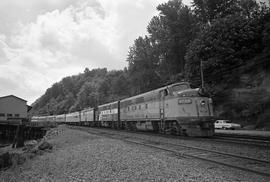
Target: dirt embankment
11 157
249 103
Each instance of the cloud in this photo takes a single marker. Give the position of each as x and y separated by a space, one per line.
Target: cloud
58 43
43 41
77 30
3 56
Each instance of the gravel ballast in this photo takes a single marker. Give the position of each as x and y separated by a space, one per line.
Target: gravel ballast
80 156
237 149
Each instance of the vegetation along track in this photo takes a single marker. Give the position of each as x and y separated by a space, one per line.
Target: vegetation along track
257 166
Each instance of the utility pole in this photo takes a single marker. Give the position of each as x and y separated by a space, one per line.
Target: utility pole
201 68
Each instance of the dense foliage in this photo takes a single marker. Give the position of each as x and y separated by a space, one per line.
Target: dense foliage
87 89
229 38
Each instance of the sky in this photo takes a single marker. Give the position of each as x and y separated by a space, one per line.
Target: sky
43 41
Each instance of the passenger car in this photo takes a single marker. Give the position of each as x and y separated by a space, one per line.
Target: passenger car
226 124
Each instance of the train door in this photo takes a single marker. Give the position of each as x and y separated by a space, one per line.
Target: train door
162 95
119 123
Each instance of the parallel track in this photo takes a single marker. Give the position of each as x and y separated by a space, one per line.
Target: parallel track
250 141
257 166
243 141
243 136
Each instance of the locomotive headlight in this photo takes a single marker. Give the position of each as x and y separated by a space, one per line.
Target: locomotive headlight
203 103
184 101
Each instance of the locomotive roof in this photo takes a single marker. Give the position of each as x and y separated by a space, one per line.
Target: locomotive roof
88 109
156 91
60 115
73 113
115 102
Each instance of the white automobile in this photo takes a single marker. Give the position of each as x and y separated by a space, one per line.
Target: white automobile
226 124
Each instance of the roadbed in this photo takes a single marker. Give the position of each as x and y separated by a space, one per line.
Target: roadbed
80 156
256 134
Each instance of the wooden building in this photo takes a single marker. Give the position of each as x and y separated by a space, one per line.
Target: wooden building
12 107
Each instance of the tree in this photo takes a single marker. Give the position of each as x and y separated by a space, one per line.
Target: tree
141 66
84 98
170 33
120 86
208 10
226 47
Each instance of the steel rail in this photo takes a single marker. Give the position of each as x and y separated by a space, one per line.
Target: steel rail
243 141
236 140
203 149
205 159
243 136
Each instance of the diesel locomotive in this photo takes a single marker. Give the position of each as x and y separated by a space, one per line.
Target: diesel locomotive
177 109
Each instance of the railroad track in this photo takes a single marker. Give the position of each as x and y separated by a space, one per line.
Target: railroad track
261 143
253 165
242 141
250 141
243 136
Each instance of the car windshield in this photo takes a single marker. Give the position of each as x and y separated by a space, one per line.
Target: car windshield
225 121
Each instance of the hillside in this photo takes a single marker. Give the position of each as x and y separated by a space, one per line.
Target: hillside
86 89
230 39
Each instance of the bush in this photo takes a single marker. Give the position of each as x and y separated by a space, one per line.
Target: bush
263 119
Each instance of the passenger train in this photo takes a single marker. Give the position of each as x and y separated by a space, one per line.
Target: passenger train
177 109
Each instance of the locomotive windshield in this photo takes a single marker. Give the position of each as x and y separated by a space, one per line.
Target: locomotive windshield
180 87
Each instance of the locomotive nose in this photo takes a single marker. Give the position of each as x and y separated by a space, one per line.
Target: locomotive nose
204 107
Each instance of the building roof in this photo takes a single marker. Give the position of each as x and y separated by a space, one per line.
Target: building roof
14 97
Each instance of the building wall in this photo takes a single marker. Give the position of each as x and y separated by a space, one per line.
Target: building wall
12 105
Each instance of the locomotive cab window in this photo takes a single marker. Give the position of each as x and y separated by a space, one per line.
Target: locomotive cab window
164 93
177 88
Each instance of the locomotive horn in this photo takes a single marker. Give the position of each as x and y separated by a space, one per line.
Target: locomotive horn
202 92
